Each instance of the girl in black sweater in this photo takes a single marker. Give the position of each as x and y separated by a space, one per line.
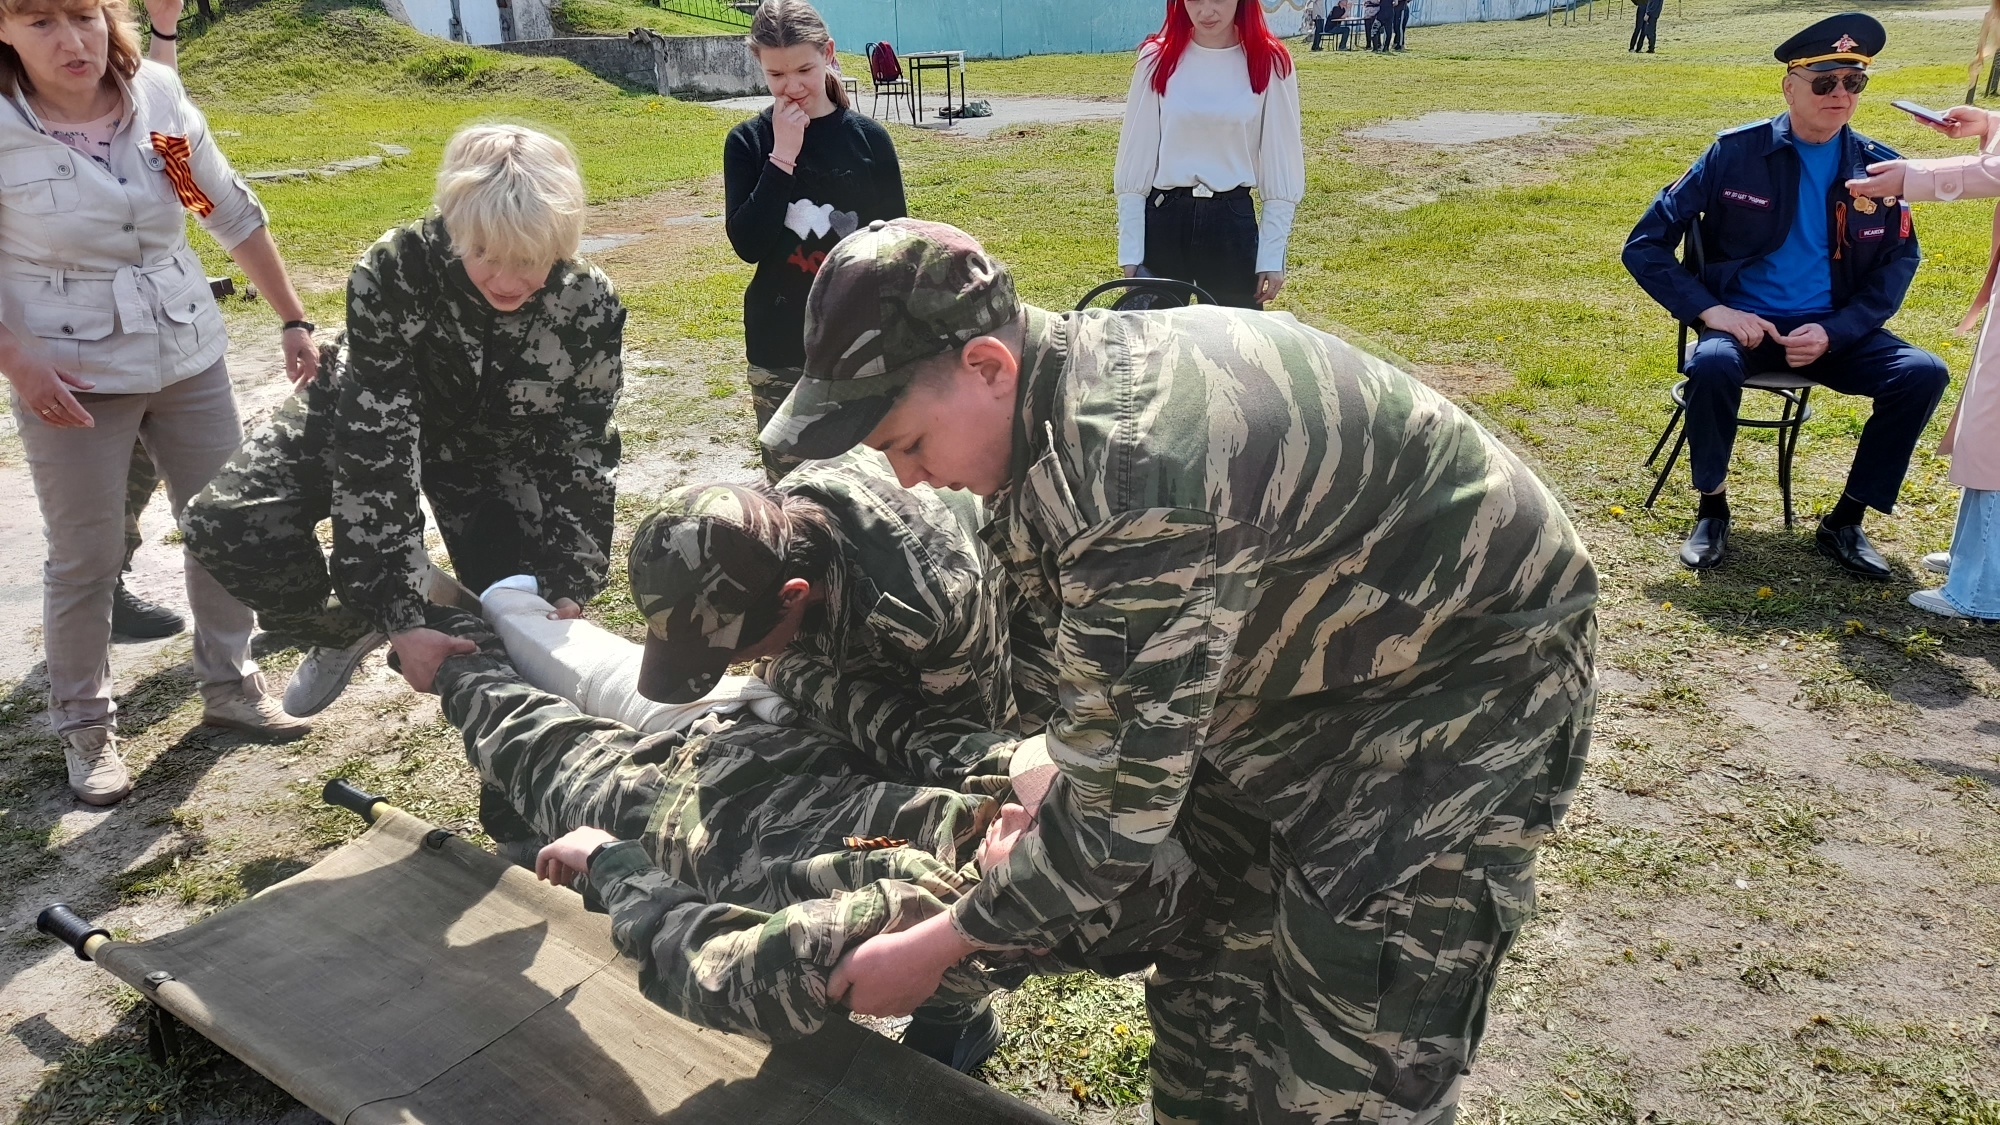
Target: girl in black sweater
799 177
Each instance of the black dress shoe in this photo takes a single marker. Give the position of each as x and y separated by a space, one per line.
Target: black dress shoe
139 619
1704 546
1849 547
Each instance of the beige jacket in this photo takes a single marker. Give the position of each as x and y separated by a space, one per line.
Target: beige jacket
1973 438
95 265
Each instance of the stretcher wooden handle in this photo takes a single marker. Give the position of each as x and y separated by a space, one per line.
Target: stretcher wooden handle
72 929
344 794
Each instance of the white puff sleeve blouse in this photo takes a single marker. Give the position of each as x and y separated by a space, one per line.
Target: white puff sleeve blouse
1210 128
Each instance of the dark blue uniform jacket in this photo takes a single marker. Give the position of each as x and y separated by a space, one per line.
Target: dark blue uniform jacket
1745 191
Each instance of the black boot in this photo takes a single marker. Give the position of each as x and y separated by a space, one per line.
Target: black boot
139 619
963 1046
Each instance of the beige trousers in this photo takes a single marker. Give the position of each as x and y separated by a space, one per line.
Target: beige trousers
190 428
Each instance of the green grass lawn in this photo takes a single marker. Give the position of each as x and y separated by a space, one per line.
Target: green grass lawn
1493 271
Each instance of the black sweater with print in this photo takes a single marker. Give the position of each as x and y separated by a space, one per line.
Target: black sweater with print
846 177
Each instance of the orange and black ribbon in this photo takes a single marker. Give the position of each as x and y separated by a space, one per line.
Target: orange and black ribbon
871 843
175 151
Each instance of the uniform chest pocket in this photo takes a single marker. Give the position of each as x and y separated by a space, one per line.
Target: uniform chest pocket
1047 502
39 181
901 627
528 398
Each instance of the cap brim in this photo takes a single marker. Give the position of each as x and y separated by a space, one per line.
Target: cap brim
1837 64
671 673
827 417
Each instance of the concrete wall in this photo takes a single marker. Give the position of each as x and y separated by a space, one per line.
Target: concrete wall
1009 28
708 66
690 66
531 19
611 57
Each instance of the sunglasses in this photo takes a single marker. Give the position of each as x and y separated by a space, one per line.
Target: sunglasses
1823 84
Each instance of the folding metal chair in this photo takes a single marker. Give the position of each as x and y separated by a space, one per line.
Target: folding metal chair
1141 293
885 74
1794 391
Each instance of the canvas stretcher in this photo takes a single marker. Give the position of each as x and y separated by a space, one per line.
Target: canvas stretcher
413 977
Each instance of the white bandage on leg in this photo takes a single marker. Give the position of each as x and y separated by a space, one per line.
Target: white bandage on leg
598 671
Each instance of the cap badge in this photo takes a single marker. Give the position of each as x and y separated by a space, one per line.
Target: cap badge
1845 43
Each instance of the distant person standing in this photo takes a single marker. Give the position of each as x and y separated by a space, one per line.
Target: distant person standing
1315 23
1646 23
1213 112
1371 20
1402 21
798 178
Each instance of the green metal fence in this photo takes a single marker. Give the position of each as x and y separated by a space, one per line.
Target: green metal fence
736 15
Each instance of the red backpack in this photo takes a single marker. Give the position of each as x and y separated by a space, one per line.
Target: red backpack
883 65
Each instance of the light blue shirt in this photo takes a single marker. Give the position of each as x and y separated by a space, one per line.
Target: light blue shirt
1796 279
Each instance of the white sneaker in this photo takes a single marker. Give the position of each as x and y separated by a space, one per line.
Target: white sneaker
324 673
249 707
1938 562
1934 602
97 774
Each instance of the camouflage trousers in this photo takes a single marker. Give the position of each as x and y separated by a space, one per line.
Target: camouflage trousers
1273 1008
769 387
141 481
255 526
778 846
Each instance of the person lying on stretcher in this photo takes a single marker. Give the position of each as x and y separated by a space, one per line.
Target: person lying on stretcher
739 860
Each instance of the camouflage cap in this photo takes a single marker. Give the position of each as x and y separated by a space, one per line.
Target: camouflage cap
705 568
888 296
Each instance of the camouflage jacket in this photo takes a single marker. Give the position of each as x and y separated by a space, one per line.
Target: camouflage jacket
908 657
1224 524
434 379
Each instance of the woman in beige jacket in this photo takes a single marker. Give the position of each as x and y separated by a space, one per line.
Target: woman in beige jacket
108 333
1972 567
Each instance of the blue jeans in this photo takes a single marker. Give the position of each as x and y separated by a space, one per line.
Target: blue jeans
1974 583
1904 381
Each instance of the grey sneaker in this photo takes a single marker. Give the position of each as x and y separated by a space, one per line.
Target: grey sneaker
97 774
324 673
249 707
1938 562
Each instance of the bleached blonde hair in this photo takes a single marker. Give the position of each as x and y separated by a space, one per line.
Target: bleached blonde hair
511 195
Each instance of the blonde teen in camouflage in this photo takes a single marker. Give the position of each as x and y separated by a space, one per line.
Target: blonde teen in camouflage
479 368
876 605
1282 583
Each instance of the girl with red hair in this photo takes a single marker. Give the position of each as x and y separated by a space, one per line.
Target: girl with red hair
1213 112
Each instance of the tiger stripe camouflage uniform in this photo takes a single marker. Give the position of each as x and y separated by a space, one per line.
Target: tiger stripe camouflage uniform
503 420
747 864
1281 579
141 481
909 661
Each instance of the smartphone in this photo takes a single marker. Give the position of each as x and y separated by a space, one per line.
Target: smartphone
1919 112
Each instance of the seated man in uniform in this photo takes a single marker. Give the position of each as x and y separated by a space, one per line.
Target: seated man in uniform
1799 277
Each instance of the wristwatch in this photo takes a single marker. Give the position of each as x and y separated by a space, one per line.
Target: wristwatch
597 851
308 325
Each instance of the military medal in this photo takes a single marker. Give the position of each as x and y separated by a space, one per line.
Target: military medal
1864 205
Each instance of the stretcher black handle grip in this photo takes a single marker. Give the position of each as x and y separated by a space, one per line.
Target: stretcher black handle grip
70 928
344 794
